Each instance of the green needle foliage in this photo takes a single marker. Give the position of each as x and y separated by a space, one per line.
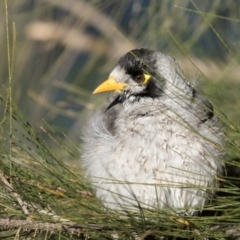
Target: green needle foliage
53 55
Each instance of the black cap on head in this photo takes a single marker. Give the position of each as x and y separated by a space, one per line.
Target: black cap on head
137 60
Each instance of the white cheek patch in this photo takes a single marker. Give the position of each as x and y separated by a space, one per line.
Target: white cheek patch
119 74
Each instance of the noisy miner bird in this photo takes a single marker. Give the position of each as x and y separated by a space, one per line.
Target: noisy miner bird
156 143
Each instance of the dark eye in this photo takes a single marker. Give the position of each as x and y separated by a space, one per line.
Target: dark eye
139 78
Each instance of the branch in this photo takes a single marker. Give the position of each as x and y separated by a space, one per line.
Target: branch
74 229
36 226
29 225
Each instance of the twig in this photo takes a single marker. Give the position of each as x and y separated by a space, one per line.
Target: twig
74 229
29 225
15 194
37 226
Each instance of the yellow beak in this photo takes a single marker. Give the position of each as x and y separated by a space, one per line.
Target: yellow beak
110 85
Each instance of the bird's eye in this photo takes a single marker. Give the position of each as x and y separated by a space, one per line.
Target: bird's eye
140 78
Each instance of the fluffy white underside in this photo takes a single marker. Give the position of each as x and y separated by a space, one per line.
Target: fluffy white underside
166 165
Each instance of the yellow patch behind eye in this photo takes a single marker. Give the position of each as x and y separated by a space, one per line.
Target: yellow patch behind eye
146 78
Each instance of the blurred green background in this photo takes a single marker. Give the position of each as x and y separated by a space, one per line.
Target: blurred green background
64 49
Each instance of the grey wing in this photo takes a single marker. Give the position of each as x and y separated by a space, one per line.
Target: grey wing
212 130
203 108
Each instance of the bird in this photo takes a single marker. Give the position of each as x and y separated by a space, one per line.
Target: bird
156 142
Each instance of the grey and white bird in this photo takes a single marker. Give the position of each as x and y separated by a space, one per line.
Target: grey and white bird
156 142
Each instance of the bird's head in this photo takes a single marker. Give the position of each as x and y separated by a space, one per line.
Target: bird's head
136 75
